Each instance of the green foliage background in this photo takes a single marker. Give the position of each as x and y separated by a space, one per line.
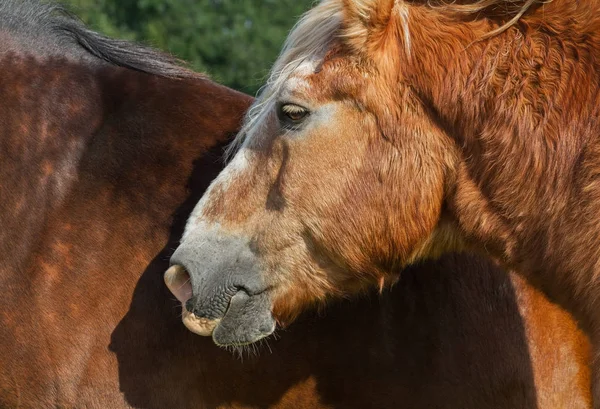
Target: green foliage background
234 41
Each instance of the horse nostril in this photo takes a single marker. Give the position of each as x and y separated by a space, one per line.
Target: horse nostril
179 283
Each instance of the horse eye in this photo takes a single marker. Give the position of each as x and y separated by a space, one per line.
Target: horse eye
293 112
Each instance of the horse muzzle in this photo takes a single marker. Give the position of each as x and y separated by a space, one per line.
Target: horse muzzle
218 282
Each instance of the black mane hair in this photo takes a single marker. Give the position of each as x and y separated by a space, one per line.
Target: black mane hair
50 26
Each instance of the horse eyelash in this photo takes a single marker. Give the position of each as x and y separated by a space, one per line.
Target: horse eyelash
293 109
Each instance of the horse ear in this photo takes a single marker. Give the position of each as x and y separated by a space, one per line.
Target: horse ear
365 22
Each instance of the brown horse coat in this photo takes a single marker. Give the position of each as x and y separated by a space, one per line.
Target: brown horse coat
100 166
392 131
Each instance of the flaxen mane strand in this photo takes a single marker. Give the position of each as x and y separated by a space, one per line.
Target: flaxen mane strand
504 8
309 38
314 32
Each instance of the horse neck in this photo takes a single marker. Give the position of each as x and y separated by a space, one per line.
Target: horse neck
523 107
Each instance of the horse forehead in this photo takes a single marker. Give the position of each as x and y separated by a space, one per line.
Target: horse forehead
307 67
299 78
319 79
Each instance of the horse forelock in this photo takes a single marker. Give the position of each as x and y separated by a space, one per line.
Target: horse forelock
306 44
313 34
509 10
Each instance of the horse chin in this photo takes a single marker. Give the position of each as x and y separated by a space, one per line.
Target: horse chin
247 320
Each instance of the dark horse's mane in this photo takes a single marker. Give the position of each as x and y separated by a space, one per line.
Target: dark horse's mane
48 26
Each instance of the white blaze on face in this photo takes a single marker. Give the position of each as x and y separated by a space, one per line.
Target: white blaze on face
297 81
307 67
234 169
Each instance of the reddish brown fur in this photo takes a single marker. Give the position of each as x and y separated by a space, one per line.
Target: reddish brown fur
87 322
439 138
522 107
74 336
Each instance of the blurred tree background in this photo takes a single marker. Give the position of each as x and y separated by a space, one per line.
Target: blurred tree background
234 41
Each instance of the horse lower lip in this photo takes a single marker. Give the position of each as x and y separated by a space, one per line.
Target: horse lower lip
198 325
179 283
199 321
202 325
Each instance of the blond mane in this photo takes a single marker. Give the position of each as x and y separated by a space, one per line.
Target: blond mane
514 8
309 38
314 32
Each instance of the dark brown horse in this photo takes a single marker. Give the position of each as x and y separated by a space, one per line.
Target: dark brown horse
103 155
396 130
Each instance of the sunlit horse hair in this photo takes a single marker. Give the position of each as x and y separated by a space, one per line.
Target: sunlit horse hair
308 39
313 33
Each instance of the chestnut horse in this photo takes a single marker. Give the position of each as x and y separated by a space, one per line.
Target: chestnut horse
103 155
396 130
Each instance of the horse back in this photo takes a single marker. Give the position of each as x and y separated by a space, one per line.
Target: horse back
96 162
